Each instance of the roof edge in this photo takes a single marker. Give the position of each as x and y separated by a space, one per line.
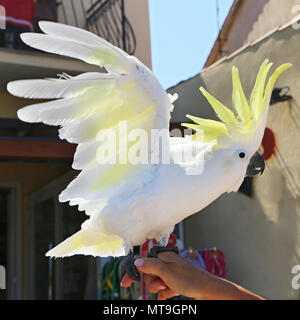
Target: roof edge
222 35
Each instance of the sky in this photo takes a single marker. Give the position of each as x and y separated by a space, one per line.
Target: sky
182 35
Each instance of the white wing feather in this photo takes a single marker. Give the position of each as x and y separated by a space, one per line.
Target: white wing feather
86 104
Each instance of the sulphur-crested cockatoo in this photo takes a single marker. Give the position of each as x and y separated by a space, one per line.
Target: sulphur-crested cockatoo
130 201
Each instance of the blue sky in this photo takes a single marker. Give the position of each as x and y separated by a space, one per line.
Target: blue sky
182 35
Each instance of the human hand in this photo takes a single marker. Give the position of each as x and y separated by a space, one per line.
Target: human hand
170 275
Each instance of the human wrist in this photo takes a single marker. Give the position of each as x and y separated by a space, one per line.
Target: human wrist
203 286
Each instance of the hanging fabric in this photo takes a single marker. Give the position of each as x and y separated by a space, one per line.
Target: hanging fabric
194 256
215 262
110 281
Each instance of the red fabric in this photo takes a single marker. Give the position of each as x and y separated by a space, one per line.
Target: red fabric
145 248
269 144
19 13
215 262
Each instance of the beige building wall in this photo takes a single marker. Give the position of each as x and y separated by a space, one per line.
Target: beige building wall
256 18
137 12
260 236
252 20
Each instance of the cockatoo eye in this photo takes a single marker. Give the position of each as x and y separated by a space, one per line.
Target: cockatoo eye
242 154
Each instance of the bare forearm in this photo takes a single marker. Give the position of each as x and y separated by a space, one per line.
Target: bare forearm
214 288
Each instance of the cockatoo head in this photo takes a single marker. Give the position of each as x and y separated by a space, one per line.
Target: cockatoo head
239 134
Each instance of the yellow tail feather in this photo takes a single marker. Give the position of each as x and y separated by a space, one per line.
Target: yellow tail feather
87 243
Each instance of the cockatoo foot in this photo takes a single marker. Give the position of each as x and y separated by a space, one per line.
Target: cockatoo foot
130 267
156 249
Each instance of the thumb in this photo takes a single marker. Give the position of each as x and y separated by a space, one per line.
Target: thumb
151 266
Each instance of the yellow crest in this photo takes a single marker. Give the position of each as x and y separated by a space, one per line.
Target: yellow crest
247 116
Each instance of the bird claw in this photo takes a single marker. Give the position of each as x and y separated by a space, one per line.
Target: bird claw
156 249
130 267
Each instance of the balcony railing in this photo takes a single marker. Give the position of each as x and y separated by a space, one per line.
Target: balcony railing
105 18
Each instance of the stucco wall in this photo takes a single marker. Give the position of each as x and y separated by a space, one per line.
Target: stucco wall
256 18
137 12
259 235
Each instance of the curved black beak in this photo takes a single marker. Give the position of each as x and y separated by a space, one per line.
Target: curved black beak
256 165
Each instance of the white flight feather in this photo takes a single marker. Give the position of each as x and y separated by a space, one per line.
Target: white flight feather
68 33
55 88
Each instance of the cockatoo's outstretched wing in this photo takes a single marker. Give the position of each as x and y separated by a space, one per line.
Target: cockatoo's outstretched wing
86 105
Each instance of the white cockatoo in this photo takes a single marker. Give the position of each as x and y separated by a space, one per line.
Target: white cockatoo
128 203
